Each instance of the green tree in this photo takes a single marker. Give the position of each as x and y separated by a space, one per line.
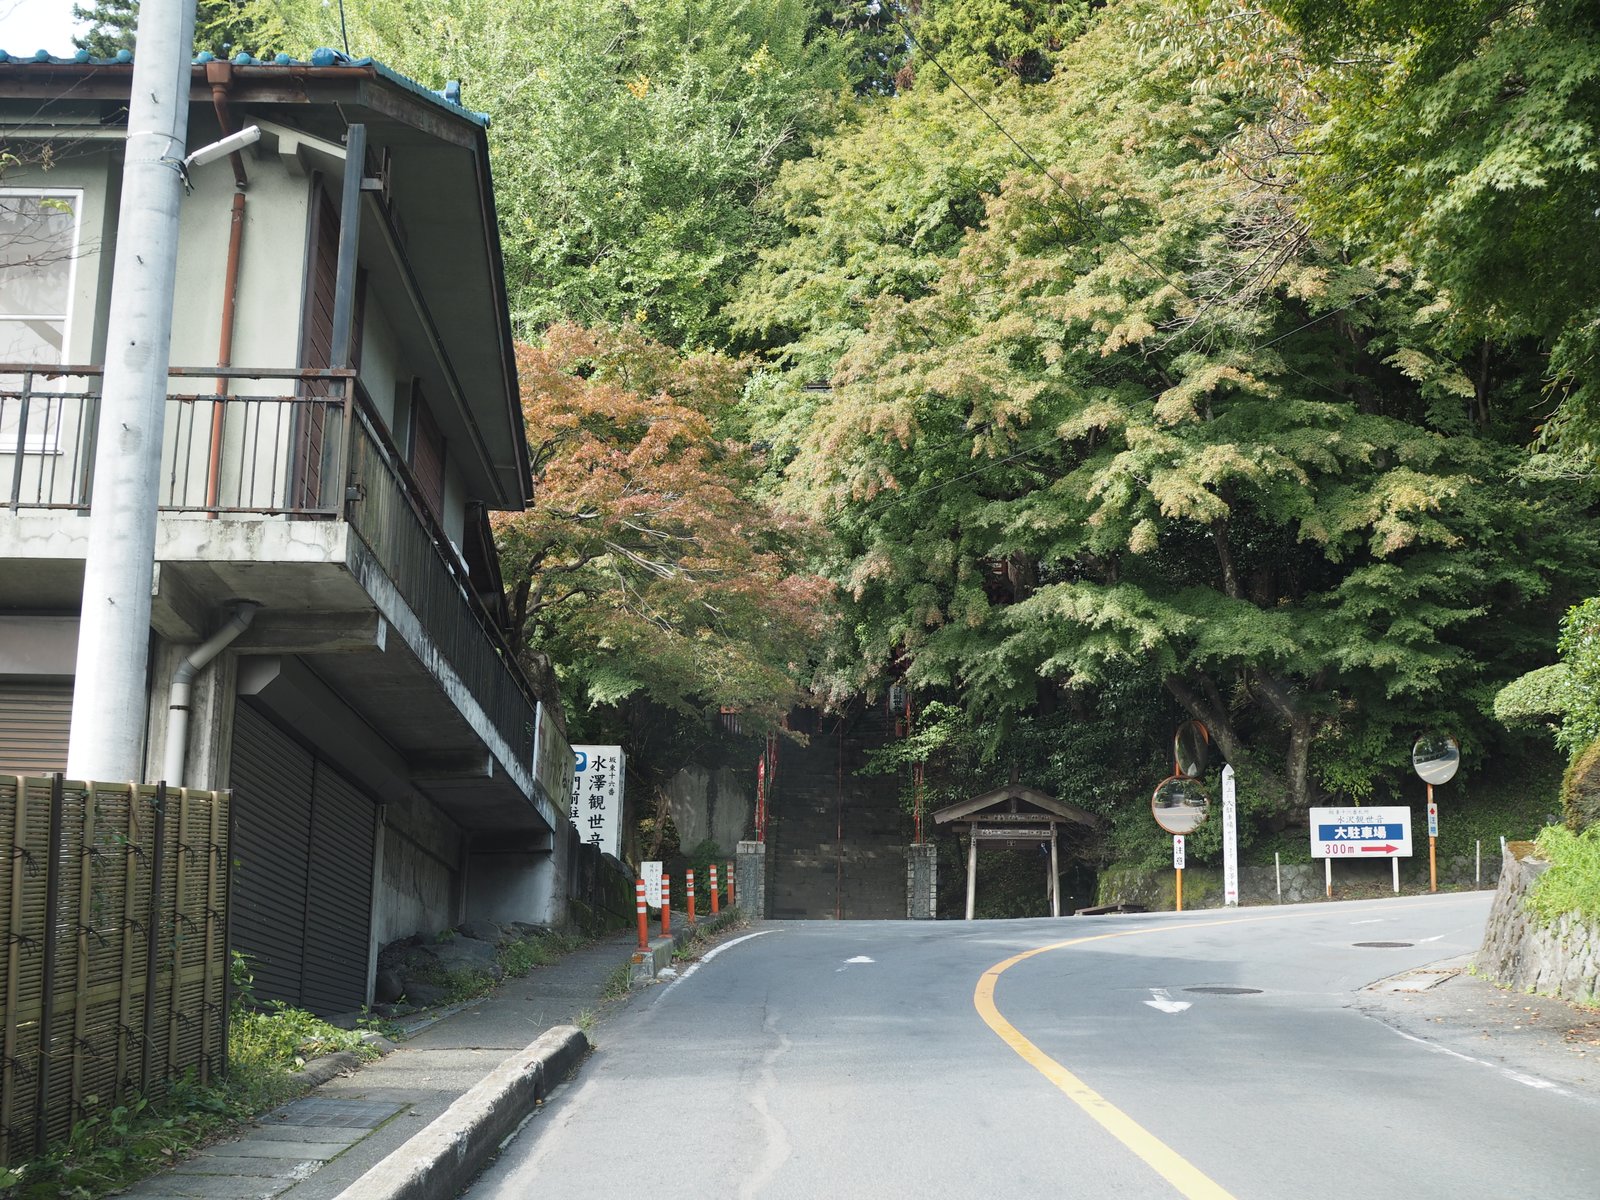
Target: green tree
220 26
1143 421
645 567
630 140
977 38
1464 137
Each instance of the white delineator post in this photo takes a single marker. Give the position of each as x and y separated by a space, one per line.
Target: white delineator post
1230 838
108 710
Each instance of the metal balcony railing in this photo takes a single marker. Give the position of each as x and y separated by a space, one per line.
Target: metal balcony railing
298 444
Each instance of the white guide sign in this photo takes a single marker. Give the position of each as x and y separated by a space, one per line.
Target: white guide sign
1177 852
1361 833
650 872
1230 838
597 794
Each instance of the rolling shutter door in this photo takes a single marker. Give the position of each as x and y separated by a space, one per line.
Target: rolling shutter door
272 840
302 892
34 719
339 913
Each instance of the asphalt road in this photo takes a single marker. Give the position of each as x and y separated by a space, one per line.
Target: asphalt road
889 1059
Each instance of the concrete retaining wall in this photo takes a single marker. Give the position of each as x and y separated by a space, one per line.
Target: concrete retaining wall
1520 951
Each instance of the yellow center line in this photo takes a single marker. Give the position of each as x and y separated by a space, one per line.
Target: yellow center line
1190 1181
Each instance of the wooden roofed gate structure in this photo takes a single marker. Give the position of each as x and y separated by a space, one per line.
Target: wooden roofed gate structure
1013 817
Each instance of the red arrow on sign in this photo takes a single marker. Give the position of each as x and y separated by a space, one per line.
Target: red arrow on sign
1379 849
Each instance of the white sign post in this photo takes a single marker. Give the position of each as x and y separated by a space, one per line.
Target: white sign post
1357 834
597 795
650 872
1230 839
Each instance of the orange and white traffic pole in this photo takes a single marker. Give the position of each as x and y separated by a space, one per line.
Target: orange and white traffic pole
644 915
715 905
666 904
688 883
729 868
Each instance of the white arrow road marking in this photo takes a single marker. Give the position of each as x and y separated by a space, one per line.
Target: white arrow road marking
1437 938
1373 921
860 958
1164 1001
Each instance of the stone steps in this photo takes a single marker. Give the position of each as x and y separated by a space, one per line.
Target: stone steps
815 872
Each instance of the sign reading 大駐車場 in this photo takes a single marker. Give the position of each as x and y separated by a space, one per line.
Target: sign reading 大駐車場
597 795
1361 833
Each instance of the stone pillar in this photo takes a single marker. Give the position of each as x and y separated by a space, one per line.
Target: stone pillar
750 878
922 882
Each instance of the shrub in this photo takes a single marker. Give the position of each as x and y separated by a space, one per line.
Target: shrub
1580 789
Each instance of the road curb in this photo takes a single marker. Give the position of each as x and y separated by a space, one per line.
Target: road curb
438 1162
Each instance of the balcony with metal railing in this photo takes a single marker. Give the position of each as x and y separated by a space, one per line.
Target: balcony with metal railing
264 448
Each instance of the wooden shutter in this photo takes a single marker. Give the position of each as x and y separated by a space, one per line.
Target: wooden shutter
427 455
322 272
34 719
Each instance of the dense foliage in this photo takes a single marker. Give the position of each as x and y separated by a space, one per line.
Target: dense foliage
1464 137
1113 411
630 139
643 565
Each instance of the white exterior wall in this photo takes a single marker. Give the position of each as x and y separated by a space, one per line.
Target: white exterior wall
271 269
380 363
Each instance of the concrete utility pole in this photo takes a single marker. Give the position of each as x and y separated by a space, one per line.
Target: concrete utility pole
109 699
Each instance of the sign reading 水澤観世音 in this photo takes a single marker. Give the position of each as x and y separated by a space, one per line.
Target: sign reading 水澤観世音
597 793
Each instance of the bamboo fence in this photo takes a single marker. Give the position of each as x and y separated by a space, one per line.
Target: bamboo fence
114 968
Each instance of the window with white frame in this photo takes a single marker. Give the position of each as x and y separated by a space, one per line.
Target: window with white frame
38 250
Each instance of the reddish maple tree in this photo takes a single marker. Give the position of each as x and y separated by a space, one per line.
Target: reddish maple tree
647 563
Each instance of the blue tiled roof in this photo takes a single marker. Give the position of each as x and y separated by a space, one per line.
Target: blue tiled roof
449 99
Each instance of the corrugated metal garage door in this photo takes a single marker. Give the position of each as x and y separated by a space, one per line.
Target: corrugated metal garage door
34 719
302 886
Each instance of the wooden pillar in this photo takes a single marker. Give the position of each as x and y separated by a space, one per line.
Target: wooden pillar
1055 875
972 875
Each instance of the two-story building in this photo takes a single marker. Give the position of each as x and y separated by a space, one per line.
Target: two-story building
342 416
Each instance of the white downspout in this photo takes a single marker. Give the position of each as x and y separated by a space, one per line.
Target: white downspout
183 679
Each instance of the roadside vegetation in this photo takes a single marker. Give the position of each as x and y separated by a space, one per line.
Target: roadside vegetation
267 1046
1572 884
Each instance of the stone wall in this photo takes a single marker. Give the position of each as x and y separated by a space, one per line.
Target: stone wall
922 881
1520 951
710 803
418 885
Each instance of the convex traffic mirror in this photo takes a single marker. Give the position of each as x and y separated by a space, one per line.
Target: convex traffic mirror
1191 749
1180 805
1435 758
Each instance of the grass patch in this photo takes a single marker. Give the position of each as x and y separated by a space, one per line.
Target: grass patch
520 957
1572 884
618 982
706 932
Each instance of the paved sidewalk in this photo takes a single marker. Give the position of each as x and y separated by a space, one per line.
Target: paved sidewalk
315 1147
1532 1038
